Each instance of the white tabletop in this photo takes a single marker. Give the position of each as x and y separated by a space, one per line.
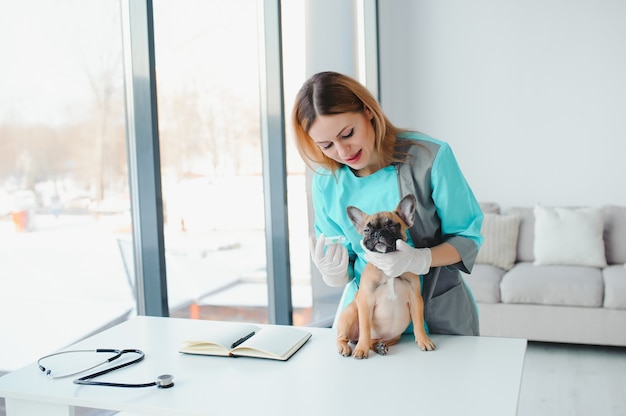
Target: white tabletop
464 375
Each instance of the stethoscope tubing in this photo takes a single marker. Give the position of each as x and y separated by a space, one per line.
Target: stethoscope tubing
85 380
163 381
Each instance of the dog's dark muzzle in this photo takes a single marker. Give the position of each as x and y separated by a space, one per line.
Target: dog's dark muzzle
379 238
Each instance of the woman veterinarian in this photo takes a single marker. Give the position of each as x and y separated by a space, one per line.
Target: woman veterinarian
362 159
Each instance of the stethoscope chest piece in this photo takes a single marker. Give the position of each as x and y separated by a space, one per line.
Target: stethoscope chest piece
165 381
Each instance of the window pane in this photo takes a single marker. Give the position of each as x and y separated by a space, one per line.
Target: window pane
63 175
211 162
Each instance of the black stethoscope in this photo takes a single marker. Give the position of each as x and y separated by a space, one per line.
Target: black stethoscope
163 381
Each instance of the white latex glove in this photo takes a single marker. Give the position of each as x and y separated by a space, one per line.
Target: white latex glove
405 259
332 264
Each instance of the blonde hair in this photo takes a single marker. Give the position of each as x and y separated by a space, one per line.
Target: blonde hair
328 93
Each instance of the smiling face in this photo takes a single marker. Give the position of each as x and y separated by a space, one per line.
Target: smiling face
347 138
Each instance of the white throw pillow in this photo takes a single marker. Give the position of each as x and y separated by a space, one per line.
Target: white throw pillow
569 236
500 240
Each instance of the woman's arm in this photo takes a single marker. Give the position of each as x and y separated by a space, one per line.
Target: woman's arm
444 255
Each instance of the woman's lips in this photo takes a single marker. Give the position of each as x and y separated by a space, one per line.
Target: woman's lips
355 158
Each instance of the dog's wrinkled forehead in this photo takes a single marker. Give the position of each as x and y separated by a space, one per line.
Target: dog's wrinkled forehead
379 221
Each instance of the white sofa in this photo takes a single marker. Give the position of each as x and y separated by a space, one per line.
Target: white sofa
553 274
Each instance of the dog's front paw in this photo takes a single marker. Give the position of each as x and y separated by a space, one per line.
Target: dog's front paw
360 352
425 343
344 349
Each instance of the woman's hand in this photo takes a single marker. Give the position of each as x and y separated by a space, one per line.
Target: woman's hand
332 263
404 259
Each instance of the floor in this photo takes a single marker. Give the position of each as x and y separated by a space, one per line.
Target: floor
559 379
571 380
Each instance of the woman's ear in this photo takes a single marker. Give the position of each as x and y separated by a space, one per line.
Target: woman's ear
368 113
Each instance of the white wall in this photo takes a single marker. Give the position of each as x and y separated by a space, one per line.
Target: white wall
530 94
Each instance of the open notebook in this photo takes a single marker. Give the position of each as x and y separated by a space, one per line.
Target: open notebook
275 342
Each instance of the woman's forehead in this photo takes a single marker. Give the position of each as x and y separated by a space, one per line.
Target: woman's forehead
328 127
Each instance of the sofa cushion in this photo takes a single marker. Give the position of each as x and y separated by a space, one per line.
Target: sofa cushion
526 234
569 236
553 285
614 287
499 246
615 233
484 282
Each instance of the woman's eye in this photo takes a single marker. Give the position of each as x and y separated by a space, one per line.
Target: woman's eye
348 134
326 146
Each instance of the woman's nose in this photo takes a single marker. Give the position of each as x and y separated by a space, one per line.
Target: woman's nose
342 149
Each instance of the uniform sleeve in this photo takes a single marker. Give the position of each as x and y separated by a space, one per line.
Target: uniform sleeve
322 205
457 207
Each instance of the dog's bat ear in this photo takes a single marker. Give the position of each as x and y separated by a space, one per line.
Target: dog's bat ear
406 209
357 217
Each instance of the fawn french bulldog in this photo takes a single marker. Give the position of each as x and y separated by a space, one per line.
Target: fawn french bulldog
384 305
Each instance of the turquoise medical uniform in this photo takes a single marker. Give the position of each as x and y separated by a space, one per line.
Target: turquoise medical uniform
447 211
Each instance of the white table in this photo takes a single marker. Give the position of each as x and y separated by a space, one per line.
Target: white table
465 375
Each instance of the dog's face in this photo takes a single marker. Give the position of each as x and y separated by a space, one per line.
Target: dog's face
381 230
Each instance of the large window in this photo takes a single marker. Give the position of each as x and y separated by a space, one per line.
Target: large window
66 252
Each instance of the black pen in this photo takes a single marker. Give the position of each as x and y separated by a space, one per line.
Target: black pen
242 340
